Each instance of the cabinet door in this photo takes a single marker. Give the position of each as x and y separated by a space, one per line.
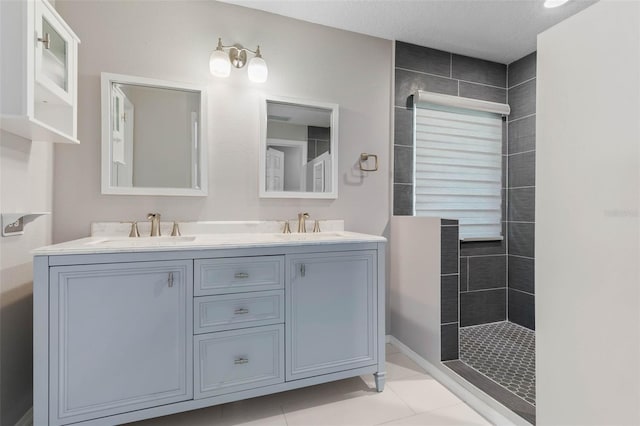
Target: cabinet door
330 312
120 338
55 56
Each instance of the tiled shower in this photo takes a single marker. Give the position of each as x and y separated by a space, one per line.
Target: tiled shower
491 281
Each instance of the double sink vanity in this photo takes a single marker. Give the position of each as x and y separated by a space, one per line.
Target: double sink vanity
132 328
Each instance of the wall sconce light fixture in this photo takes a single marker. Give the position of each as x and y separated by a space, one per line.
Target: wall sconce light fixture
220 62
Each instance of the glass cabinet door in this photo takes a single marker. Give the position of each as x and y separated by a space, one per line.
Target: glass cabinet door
53 56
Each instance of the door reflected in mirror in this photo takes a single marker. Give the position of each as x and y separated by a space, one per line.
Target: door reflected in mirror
152 141
299 154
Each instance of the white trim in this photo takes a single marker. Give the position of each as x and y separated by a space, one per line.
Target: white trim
262 167
475 398
106 79
26 419
423 97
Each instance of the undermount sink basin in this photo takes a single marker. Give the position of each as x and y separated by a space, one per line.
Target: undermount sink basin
142 241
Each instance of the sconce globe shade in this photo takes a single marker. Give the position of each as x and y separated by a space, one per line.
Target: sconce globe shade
219 64
257 70
554 3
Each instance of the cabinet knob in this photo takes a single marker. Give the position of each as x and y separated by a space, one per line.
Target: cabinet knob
241 311
240 361
241 275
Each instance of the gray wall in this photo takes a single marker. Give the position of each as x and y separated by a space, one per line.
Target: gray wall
521 190
232 130
482 269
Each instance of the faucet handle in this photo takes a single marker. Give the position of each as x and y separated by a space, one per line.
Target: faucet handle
316 226
133 233
287 228
175 231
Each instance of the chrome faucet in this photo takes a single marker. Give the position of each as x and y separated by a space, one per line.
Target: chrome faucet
155 224
302 226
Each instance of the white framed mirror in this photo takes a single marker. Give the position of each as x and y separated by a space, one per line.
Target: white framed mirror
152 137
299 149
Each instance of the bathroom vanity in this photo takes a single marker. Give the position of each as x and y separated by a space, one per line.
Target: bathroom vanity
132 328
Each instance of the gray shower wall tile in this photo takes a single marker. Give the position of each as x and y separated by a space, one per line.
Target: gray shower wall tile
408 82
522 70
522 309
522 169
522 204
481 307
402 164
449 250
449 299
463 273
484 93
449 347
522 100
521 239
487 272
314 132
402 199
478 71
522 135
403 126
423 59
522 274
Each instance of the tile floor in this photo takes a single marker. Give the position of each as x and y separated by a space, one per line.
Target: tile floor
411 397
504 352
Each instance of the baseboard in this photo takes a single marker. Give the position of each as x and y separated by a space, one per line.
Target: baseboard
486 406
26 419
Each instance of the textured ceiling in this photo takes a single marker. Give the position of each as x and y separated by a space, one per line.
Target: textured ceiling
500 31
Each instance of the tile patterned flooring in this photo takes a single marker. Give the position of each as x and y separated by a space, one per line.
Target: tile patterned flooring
504 352
411 398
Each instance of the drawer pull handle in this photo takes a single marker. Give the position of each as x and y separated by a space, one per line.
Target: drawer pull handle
170 279
303 270
241 275
241 361
241 311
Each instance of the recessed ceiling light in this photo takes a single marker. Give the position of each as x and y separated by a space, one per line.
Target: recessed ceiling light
554 3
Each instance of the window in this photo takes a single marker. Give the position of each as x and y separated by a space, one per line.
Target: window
458 163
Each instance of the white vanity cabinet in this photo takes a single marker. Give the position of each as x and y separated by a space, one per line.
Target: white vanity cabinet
124 336
120 338
39 72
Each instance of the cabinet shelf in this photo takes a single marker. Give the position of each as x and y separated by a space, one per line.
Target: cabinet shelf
34 129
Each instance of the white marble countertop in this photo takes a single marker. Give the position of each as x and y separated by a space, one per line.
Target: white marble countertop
104 241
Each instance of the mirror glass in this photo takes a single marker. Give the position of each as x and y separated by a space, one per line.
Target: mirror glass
299 151
151 137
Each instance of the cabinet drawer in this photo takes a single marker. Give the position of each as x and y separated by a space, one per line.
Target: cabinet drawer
231 311
231 361
238 274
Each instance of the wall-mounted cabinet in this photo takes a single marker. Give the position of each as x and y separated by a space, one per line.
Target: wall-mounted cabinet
39 72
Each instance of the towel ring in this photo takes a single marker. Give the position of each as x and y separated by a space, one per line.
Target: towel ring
364 158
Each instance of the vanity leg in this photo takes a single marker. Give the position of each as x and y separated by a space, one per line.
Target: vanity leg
379 377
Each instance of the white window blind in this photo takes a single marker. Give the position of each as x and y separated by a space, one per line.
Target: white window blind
458 168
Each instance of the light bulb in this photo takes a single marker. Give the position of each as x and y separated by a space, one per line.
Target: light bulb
219 64
554 3
257 70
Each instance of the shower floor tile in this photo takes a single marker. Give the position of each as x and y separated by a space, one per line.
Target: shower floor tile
505 353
